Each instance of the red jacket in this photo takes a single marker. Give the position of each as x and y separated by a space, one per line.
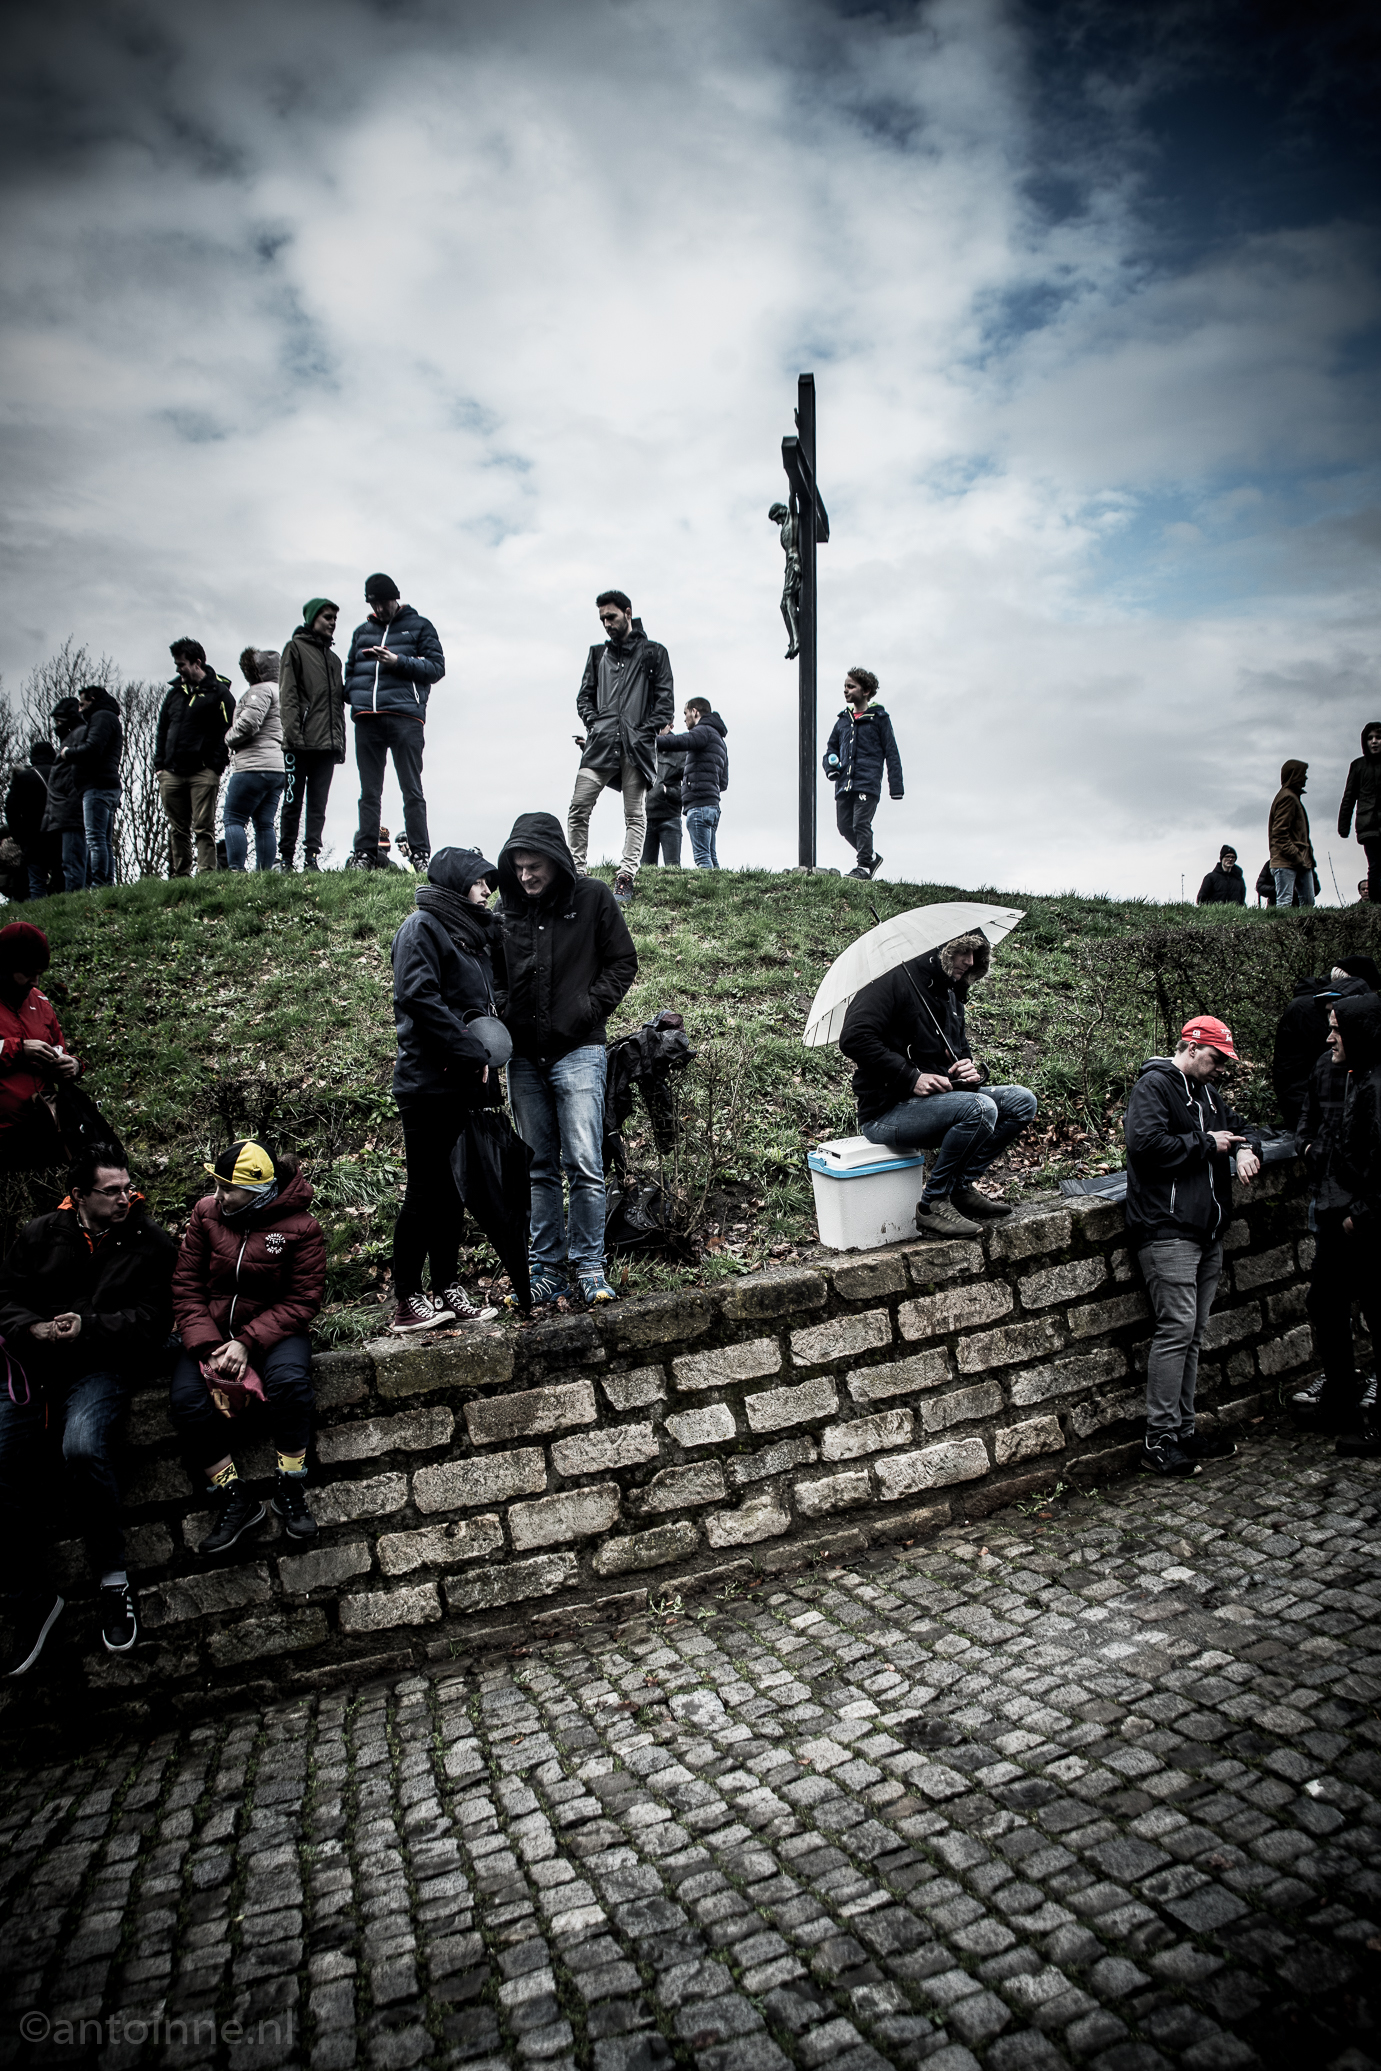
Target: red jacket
260 1279
32 1022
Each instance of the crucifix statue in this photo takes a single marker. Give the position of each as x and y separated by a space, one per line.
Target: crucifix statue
805 525
791 587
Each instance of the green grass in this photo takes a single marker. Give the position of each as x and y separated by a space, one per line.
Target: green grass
211 1006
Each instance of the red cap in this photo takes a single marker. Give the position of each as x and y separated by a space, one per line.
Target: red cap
1216 1034
23 947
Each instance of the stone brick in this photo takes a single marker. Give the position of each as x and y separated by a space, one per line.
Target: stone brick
867 1435
1062 1283
935 1315
906 1474
1230 1326
1022 1441
402 1366
418 1604
1238 1237
833 1492
746 1468
148 1546
197 1596
325 1567
1087 1417
899 1377
1096 1221
914 1524
1026 1236
575 1514
718 1369
676 1488
148 1421
255 1639
158 1481
341 1379
1101 1316
1288 1307
932 1263
1260 1269
466 1484
495 1418
708 1426
657 1319
439 1545
938 1412
784 1292
412 1432
774 1408
487 1588
870 1277
757 1517
341 1502
1067 1376
636 1388
1285 1355
842 1338
1006 1346
600 1452
657 1548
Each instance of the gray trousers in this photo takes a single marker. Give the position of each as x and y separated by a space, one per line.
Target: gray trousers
1181 1280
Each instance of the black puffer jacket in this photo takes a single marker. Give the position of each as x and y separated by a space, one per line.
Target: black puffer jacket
1363 790
564 961
908 1022
403 686
1301 1035
93 746
865 744
122 1291
625 699
435 984
193 724
1179 1184
707 760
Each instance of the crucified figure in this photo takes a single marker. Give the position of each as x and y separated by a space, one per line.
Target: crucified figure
791 588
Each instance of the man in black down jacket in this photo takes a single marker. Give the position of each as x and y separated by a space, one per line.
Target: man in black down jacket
624 701
860 745
94 748
917 1084
1224 885
85 1303
62 819
564 961
1302 1030
706 776
190 756
394 664
1181 1137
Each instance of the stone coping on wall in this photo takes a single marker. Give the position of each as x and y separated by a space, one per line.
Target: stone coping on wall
484 1486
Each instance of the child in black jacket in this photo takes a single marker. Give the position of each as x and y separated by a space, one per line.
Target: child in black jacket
860 745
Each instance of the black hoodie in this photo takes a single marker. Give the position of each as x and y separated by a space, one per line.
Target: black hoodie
1363 790
1179 1184
437 981
562 962
1359 1161
910 1020
93 746
1301 1037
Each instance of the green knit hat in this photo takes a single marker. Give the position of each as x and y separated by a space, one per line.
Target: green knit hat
315 604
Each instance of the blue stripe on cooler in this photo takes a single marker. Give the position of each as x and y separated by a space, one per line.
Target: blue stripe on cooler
819 1164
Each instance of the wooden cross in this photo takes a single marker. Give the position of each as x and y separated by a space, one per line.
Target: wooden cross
812 530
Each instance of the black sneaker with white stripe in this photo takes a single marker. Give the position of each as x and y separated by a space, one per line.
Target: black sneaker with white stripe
119 1618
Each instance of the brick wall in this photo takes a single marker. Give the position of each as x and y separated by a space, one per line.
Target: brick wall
484 1486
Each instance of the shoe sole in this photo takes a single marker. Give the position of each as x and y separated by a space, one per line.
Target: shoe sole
23 1667
1185 1473
468 1322
407 1330
125 1647
293 1532
247 1526
926 1228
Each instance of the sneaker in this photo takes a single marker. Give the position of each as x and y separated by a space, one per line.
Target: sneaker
240 1511
546 1287
623 887
1305 1401
309 861
1164 1455
1207 1445
594 1288
982 1207
286 867
290 1502
463 1310
119 1618
874 865
860 872
34 1618
940 1218
418 1312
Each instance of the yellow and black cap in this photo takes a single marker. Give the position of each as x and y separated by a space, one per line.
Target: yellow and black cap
243 1164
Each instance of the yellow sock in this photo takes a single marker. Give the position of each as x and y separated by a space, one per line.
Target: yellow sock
292 1463
223 1476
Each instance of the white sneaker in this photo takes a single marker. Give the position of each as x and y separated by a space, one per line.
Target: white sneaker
462 1309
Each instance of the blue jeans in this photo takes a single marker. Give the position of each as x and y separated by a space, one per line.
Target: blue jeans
701 821
88 1419
971 1129
1292 883
98 817
252 794
73 859
559 1112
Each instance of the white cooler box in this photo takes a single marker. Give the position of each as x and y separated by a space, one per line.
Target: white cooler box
865 1195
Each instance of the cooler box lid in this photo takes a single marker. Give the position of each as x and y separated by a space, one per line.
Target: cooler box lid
853 1157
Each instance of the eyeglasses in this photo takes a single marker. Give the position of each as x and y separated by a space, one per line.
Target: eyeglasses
114 1193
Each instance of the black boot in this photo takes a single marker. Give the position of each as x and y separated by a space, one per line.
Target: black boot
239 1512
290 1501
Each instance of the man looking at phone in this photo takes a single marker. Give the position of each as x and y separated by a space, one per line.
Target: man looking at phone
395 659
1182 1142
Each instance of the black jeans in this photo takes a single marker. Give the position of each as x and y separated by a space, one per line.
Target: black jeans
286 1372
308 773
375 735
431 1221
853 815
1372 850
1346 1269
84 1420
662 841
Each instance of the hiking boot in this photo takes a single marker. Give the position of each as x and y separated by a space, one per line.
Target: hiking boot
290 1502
463 1310
623 887
1207 1445
546 1287
35 1616
981 1207
240 1511
1165 1455
594 1289
940 1218
418 1312
119 1618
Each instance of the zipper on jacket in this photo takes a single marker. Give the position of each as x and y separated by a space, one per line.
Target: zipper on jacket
230 1319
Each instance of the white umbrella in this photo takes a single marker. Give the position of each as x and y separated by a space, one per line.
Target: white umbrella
895 942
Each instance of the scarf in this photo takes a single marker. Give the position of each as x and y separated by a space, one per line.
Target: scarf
469 927
266 1191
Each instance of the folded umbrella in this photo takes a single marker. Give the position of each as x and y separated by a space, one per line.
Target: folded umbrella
491 1166
895 942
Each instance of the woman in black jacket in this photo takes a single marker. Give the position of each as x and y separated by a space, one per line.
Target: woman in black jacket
442 972
1363 790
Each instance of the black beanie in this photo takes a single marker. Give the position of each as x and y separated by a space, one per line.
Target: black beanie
381 589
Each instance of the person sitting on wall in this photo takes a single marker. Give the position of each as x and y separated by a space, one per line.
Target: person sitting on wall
248 1282
917 1085
84 1306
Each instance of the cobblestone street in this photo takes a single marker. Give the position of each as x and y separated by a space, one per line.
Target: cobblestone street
1096 1784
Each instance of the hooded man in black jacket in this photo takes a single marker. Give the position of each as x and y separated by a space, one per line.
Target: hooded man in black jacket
1181 1141
26 803
624 701
190 756
917 1084
1302 1031
1224 885
85 1302
1363 792
564 961
93 748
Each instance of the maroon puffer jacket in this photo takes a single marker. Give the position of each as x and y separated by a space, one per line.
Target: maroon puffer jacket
261 1281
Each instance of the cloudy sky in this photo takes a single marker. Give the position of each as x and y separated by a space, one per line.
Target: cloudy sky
509 301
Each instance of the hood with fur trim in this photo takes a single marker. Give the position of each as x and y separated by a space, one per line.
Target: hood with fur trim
982 957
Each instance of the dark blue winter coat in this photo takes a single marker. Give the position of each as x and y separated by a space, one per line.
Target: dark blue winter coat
863 742
707 760
402 686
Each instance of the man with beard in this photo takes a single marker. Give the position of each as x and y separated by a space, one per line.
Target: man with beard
624 701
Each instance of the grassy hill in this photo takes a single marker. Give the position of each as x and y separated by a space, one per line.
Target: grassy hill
212 1006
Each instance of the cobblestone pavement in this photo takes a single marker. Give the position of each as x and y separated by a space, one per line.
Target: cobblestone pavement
1093 1786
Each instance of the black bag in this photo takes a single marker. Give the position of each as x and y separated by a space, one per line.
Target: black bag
80 1122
